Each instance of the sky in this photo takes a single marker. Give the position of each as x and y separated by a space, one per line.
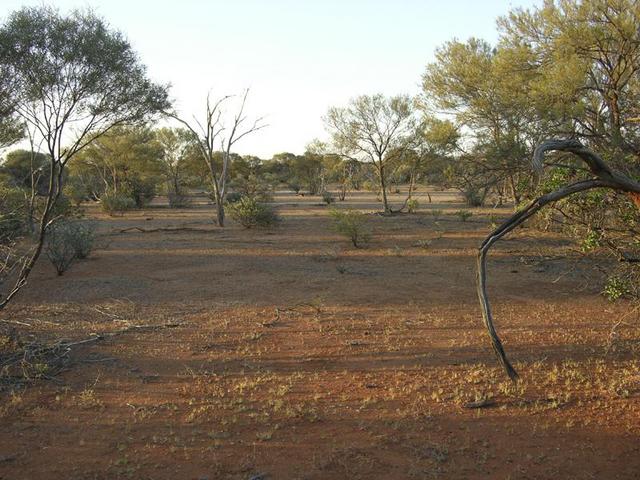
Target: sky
297 57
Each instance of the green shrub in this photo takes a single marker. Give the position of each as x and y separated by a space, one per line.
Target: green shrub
295 187
13 213
464 215
412 205
233 197
616 288
257 186
82 236
473 197
67 241
178 200
60 251
327 197
352 224
116 202
437 214
250 213
75 192
141 190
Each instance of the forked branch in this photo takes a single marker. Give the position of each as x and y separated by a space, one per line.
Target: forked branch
603 177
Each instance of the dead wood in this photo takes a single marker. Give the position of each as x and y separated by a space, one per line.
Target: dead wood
37 360
166 229
603 177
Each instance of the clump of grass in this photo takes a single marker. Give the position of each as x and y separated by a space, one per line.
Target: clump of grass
464 215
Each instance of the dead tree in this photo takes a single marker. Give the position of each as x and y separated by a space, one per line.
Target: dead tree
603 177
206 137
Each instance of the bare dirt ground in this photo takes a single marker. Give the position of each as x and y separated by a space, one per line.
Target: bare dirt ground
291 355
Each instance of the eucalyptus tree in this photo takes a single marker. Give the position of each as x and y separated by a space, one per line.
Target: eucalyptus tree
176 144
127 160
76 79
475 85
375 129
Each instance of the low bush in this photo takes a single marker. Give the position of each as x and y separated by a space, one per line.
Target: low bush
75 192
233 197
82 236
464 215
141 190
68 241
352 224
412 205
178 200
116 202
60 251
13 213
327 197
251 213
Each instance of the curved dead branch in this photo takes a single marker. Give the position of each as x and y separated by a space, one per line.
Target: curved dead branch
603 177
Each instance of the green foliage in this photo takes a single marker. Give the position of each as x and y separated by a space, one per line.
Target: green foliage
352 224
45 51
356 130
81 235
67 241
591 241
256 185
251 213
13 213
233 197
112 202
327 197
463 215
60 251
75 191
23 166
178 200
141 190
412 205
616 287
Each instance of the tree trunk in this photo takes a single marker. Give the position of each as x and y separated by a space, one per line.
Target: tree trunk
219 208
383 187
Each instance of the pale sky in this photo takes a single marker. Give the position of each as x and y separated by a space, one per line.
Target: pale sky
298 57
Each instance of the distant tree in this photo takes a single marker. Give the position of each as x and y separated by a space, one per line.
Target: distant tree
373 129
476 84
213 130
126 160
75 79
176 144
23 167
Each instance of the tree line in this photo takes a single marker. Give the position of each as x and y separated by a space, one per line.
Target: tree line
74 89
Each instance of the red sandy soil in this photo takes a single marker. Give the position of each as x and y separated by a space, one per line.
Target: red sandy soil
296 356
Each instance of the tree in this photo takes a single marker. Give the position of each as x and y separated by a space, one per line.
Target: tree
476 84
585 56
207 136
373 129
600 176
76 80
125 160
176 145
24 168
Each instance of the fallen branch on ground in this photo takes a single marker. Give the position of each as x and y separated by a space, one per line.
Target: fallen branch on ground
166 229
36 360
